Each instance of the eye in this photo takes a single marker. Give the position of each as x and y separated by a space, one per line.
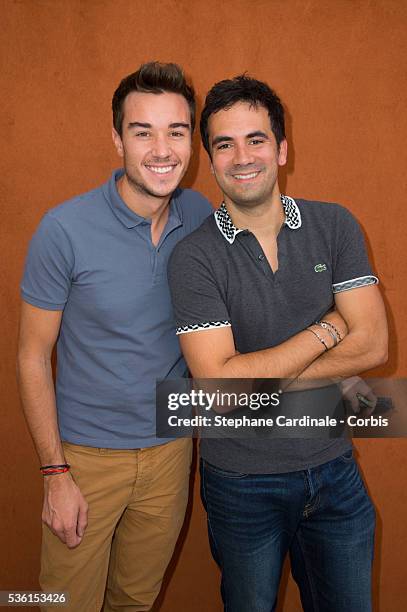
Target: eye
142 134
177 134
224 145
256 141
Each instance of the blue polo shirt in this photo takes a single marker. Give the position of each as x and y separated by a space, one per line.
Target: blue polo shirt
93 258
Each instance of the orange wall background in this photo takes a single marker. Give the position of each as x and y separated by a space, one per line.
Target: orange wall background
339 66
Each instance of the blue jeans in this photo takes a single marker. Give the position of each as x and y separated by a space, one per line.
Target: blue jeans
322 517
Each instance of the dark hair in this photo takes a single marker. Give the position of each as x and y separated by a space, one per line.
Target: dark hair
155 78
242 88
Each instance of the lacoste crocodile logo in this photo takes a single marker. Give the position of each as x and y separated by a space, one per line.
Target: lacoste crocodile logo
321 267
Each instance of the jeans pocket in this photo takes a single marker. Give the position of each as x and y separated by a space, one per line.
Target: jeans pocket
220 472
347 457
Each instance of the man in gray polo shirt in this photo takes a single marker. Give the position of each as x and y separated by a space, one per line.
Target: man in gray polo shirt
248 288
95 282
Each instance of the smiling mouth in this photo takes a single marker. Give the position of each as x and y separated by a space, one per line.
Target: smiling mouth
246 177
161 169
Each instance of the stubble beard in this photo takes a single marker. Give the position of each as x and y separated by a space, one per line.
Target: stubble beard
244 199
142 188
251 198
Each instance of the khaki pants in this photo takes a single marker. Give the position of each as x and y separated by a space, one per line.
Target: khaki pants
137 501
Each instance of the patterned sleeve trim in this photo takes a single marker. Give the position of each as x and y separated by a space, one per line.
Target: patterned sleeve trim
185 329
354 283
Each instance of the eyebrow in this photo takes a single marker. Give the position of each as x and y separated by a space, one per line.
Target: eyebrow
221 138
133 124
180 125
139 124
258 133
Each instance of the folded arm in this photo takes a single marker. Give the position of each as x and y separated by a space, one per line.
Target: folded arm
361 320
212 354
365 346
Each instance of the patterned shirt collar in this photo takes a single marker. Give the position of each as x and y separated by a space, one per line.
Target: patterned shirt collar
229 231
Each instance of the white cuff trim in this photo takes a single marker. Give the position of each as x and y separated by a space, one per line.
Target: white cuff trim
185 329
354 283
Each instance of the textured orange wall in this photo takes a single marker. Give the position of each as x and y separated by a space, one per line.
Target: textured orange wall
340 68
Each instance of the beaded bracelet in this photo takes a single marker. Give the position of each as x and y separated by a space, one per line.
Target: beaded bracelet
331 333
328 324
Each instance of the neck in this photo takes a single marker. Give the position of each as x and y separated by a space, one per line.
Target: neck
266 217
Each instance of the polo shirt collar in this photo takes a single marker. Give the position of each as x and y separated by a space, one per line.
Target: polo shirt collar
127 216
229 231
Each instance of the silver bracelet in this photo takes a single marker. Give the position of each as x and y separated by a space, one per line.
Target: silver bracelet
332 334
316 334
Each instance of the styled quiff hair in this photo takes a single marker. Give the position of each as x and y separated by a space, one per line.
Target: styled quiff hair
155 78
242 88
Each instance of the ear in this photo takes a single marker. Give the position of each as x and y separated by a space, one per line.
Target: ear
211 167
282 153
117 143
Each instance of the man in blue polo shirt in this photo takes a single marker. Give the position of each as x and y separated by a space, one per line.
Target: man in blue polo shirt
249 289
95 283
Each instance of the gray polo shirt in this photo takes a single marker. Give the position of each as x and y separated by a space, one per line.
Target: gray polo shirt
219 276
93 258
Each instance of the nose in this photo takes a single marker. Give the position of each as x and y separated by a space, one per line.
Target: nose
161 147
242 154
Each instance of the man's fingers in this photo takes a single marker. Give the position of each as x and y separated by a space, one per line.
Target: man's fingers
71 537
367 402
354 403
359 394
65 511
57 529
367 399
59 534
370 395
82 520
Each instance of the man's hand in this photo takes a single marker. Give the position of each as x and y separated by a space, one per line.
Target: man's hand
352 388
65 510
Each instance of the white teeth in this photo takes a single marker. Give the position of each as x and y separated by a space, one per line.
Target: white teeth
246 176
161 169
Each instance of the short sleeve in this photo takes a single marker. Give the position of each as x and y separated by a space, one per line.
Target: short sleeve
351 263
48 268
196 294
